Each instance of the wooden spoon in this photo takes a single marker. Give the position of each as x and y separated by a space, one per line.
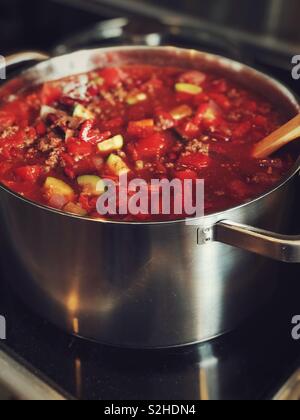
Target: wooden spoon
278 139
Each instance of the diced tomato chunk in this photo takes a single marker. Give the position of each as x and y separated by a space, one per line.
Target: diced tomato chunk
261 121
15 112
112 76
88 203
195 161
187 174
83 166
50 94
79 148
113 124
153 146
68 162
29 173
41 128
243 129
221 100
132 152
13 140
5 167
89 135
7 118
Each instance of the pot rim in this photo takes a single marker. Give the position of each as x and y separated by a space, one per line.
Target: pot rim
193 220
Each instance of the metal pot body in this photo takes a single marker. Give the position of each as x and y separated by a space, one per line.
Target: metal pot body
144 285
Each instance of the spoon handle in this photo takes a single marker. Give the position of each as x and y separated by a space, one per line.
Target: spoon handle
278 139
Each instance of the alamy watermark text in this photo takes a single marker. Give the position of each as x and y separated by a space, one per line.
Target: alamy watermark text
2 328
296 67
2 68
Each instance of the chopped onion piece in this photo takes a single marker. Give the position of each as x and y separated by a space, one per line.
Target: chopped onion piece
82 112
91 184
75 209
47 110
181 112
188 88
57 187
99 81
143 123
135 99
111 145
117 165
139 164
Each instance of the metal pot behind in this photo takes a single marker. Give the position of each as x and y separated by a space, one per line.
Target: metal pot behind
150 285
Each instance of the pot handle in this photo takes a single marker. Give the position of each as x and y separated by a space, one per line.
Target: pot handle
23 57
268 244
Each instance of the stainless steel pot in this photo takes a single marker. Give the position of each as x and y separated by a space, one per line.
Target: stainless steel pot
151 285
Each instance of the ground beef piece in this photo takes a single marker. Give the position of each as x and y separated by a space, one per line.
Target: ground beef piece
9 131
49 143
31 153
53 159
67 123
196 146
30 137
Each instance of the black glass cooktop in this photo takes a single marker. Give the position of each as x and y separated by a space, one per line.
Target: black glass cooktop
252 362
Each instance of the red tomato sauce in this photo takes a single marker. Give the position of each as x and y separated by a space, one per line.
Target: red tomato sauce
58 139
